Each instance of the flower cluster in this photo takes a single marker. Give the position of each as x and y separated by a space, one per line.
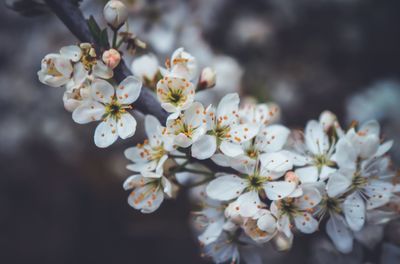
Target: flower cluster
259 181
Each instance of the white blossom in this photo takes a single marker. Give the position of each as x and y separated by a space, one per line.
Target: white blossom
146 67
224 132
151 154
175 95
111 107
186 129
297 211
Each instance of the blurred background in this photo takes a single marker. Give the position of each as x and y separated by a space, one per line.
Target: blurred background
61 198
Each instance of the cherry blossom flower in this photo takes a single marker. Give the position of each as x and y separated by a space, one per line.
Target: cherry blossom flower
151 154
230 247
111 106
86 64
258 181
147 192
175 94
146 67
263 114
297 211
182 65
261 227
186 129
56 70
366 182
314 155
75 97
223 130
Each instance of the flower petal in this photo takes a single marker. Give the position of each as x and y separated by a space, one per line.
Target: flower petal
71 52
106 133
272 138
231 149
129 89
306 223
102 91
337 184
126 126
354 211
87 112
225 188
102 71
279 189
307 174
205 147
339 233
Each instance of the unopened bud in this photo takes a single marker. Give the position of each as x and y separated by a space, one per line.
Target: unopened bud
207 78
327 119
115 13
290 176
111 58
282 242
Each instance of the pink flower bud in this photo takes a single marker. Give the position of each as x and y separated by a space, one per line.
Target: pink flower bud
111 58
207 78
290 176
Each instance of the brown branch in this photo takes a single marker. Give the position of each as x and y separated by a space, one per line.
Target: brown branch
70 14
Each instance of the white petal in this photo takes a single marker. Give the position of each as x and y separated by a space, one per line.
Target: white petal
354 211
106 133
129 89
272 138
326 171
87 112
307 174
341 236
71 52
212 232
80 74
221 160
306 223
379 193
231 149
384 148
346 154
279 189
126 126
316 139
244 132
225 188
284 225
101 70
311 197
371 127
337 184
228 108
205 147
276 162
267 222
102 91
132 182
249 204
194 115
151 126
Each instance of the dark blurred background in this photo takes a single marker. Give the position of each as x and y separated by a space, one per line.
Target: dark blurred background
61 198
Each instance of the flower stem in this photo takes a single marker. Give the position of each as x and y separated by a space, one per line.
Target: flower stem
114 40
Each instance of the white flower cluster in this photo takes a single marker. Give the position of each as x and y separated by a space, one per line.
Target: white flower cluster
259 180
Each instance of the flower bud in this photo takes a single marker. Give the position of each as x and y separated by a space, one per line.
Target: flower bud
290 176
207 78
115 13
327 119
111 58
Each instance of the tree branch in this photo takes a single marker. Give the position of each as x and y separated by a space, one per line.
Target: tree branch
70 14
